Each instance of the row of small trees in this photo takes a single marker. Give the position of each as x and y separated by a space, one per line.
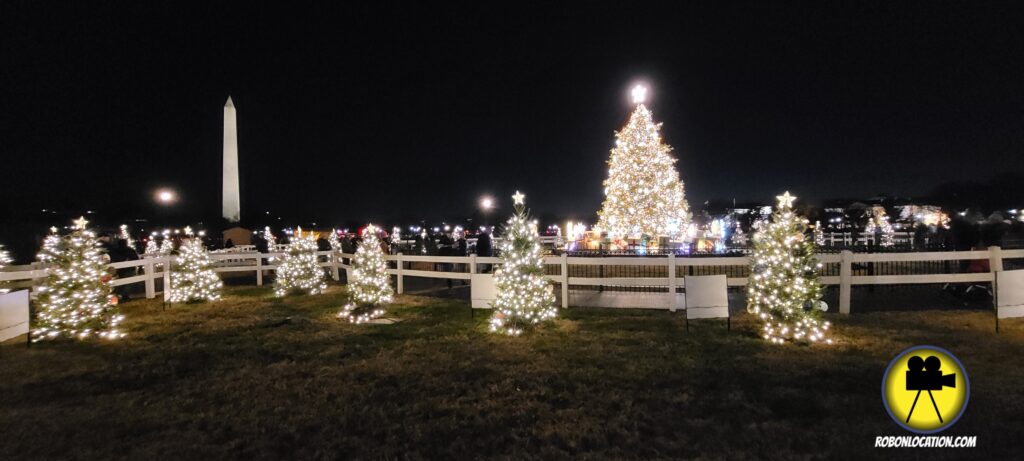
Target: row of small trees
76 300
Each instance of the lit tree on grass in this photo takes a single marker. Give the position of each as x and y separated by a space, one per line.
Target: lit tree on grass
299 269
193 278
126 236
738 238
396 239
643 192
268 235
784 291
334 241
51 250
75 299
879 223
5 257
370 286
152 248
524 296
167 247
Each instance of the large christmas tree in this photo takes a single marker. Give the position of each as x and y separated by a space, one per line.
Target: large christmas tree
784 291
524 296
75 299
299 269
369 286
193 278
643 192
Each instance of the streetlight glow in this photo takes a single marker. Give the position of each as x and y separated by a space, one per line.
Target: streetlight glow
486 203
166 196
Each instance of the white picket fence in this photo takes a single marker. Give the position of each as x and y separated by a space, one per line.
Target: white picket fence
462 268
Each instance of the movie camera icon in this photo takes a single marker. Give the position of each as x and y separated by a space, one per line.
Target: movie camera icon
925 375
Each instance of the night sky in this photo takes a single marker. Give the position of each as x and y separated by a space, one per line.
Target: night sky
394 112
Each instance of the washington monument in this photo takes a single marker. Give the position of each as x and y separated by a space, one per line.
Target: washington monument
232 204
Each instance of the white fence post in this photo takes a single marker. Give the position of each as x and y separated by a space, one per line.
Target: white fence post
259 269
334 266
150 279
565 280
995 260
845 280
472 264
167 277
672 281
400 276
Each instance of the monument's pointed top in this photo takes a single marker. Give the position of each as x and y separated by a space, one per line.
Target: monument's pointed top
229 103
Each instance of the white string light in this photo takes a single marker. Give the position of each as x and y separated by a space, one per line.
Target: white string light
299 269
75 299
370 285
524 297
784 292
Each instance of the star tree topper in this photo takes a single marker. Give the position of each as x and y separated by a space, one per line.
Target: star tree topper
639 94
785 200
519 198
80 222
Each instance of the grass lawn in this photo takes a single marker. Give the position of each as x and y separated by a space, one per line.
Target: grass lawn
258 377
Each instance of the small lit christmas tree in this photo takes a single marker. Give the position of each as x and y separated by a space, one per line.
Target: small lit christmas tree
643 192
334 241
525 297
784 291
126 236
193 278
75 300
152 248
396 239
819 234
51 250
268 235
370 286
738 237
5 257
167 246
299 269
878 224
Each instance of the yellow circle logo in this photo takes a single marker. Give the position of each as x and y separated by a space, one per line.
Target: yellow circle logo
925 389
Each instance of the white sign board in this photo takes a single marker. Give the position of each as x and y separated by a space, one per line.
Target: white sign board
623 299
482 291
13 314
707 297
1010 294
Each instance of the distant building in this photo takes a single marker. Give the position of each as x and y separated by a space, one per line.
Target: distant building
238 236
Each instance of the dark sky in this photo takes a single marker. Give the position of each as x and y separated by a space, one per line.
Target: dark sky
388 111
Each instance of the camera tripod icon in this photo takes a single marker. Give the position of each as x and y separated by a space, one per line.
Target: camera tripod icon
925 375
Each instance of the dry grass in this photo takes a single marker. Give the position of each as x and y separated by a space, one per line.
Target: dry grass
257 377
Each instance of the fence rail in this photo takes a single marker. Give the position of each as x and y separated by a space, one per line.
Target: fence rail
660 274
